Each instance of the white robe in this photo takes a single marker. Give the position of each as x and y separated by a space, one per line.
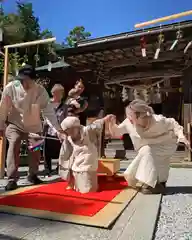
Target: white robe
155 146
81 158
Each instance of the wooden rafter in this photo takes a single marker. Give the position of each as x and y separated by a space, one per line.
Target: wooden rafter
143 76
163 19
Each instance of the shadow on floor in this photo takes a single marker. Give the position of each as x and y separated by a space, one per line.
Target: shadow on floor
180 189
7 237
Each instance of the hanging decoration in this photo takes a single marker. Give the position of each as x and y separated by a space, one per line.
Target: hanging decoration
130 94
136 94
37 57
157 95
146 95
143 46
179 35
161 39
15 67
25 58
150 93
50 50
167 84
124 94
188 46
49 66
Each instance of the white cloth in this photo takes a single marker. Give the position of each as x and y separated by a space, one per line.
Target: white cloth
70 122
85 182
151 165
82 156
155 146
21 110
85 155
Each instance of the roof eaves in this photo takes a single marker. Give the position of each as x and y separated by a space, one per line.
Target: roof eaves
137 33
86 45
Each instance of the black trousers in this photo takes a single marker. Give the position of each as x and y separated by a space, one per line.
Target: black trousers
51 151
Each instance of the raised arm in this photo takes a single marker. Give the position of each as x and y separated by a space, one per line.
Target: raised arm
96 127
117 130
110 122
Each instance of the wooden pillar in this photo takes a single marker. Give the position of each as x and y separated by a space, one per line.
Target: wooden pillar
187 108
101 115
3 140
189 131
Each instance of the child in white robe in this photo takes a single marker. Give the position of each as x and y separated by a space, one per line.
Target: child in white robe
155 139
79 154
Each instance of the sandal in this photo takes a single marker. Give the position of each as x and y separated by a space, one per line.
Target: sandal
159 189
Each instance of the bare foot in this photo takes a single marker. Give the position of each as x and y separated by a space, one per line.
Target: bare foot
69 187
110 178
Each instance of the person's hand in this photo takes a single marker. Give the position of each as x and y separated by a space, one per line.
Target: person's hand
61 135
35 136
185 141
110 118
75 103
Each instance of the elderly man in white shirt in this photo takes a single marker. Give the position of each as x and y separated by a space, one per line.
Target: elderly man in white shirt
21 104
155 139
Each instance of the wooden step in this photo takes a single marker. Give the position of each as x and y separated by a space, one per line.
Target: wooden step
143 212
131 154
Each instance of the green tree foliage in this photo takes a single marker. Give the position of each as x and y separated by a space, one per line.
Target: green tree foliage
31 29
23 26
77 34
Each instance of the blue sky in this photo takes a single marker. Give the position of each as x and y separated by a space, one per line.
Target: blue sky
100 17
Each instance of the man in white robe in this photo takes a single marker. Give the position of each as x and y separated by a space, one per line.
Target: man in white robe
155 139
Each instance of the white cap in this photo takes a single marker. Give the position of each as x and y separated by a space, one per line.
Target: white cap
70 122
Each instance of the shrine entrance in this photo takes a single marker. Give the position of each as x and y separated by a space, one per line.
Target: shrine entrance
150 64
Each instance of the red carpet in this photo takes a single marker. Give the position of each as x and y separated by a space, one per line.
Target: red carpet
53 197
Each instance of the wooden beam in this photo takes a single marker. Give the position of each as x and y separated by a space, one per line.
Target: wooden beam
163 19
143 76
187 108
189 131
131 62
26 44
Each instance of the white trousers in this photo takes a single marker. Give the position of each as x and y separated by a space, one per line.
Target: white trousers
151 165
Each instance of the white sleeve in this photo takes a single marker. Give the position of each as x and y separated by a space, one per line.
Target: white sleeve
118 130
5 106
96 126
172 124
48 110
50 125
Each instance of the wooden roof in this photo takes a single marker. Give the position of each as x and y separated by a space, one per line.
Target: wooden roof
117 59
